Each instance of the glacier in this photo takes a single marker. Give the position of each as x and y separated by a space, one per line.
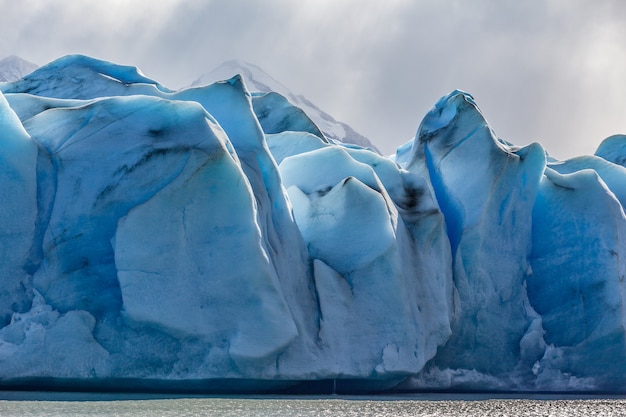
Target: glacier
218 239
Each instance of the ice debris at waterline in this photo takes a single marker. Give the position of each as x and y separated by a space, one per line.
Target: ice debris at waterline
163 236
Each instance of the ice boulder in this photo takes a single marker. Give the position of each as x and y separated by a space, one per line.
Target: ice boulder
43 343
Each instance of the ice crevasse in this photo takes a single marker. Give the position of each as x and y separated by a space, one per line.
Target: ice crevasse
213 238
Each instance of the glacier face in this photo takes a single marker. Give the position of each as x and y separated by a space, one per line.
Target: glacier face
214 238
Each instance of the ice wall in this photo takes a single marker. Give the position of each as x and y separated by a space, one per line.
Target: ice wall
211 237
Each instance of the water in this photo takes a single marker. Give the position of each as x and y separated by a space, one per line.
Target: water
56 405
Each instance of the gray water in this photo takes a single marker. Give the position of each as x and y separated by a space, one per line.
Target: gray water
109 405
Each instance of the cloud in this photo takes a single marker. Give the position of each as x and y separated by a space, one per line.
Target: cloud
535 68
551 71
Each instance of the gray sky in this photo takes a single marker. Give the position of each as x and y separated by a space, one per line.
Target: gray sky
552 71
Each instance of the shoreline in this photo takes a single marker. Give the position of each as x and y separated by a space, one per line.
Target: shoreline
73 396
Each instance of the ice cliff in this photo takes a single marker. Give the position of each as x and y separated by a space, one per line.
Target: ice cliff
216 239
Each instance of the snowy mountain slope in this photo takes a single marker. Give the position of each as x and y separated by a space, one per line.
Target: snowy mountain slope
258 80
13 68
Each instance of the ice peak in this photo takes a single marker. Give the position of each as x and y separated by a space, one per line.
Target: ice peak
83 77
613 149
237 81
259 81
256 79
122 73
448 109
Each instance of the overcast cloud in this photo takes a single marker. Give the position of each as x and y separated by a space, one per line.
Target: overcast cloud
552 71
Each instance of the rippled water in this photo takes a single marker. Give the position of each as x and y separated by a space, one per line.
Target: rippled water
314 407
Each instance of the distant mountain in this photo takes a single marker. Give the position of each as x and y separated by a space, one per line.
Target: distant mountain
258 80
13 68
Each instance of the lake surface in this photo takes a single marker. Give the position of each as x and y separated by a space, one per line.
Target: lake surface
68 405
